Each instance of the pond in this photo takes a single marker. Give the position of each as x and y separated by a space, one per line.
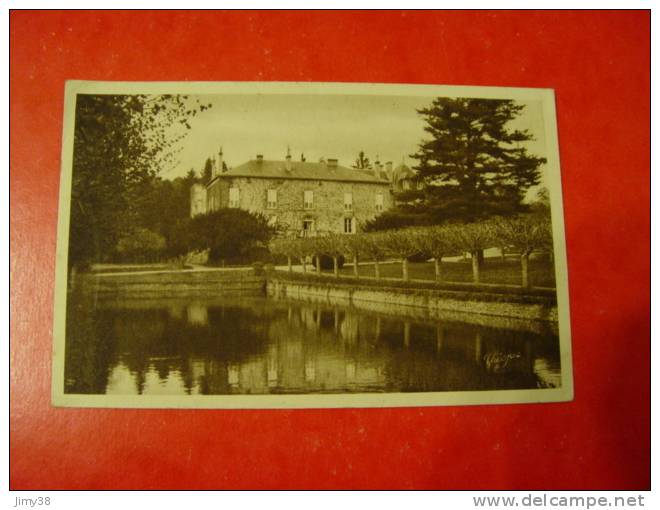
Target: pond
260 345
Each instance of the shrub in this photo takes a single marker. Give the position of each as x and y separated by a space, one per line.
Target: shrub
229 234
140 245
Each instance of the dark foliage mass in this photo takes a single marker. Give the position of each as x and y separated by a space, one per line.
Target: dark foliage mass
396 218
473 165
121 145
231 235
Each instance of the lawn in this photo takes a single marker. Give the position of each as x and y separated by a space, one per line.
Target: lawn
494 271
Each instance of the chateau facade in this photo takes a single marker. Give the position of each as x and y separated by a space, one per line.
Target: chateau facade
301 198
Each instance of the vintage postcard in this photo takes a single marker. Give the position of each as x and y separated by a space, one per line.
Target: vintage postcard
273 245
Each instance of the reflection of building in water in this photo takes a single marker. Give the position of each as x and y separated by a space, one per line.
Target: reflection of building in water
198 314
271 361
233 374
310 371
176 311
350 370
349 327
302 348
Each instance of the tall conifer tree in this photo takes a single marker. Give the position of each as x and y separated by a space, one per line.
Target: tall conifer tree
474 165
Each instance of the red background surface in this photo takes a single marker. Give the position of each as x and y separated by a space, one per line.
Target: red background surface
597 62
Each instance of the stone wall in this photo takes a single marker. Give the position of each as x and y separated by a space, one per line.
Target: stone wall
328 212
169 283
423 304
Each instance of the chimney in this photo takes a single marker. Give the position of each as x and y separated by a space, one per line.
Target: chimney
287 165
260 158
377 165
388 169
332 163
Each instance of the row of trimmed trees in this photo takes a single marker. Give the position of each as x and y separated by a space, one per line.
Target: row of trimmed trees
522 234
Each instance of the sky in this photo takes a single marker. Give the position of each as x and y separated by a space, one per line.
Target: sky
328 126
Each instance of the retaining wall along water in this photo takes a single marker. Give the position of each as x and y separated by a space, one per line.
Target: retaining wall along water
486 307
171 283
424 303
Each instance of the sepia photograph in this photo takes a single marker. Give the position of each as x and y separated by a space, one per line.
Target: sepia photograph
269 245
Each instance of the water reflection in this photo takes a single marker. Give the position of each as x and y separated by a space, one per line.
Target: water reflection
259 345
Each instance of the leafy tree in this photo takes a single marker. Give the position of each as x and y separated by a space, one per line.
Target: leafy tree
121 142
331 245
302 248
229 234
191 176
180 241
373 244
164 205
362 162
474 165
437 242
284 246
526 233
541 203
317 247
473 238
353 246
141 245
207 171
401 244
395 218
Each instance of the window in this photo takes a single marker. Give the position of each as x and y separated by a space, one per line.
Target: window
309 200
271 199
234 197
348 225
348 201
406 184
308 227
379 202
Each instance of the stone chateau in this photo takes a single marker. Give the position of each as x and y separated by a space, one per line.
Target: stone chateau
302 198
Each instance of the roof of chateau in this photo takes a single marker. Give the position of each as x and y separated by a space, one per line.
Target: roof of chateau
272 169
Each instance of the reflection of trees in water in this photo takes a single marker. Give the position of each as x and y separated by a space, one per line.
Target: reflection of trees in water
159 341
89 352
265 346
457 357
